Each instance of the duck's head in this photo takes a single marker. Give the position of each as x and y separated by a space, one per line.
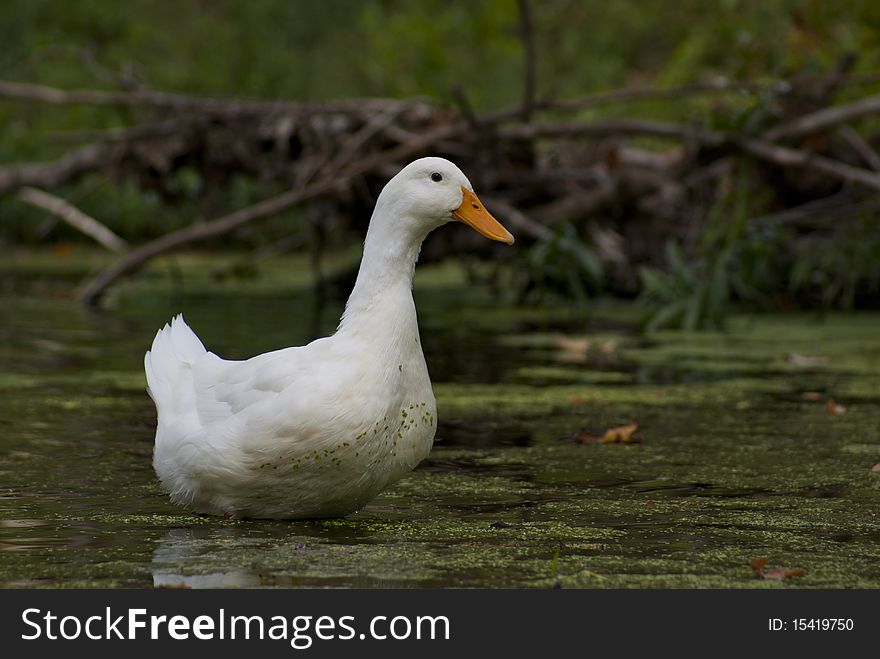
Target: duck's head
433 191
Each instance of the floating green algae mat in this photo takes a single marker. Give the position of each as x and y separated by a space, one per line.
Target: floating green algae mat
740 454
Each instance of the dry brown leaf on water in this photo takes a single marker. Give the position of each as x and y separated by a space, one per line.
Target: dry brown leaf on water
779 574
758 565
618 435
621 434
834 408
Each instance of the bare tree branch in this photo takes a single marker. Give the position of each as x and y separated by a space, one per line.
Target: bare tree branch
374 126
517 219
324 149
858 144
606 127
577 204
129 133
759 148
52 174
719 86
823 119
95 289
632 94
74 217
785 156
169 101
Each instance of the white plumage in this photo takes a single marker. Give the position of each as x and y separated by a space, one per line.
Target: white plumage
316 430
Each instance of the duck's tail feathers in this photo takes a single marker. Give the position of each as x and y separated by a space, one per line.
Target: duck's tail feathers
168 364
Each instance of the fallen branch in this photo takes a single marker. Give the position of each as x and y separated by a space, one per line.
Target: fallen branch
607 127
759 148
577 204
518 220
635 94
340 150
858 144
824 119
136 259
53 174
74 217
787 157
350 148
826 212
138 132
720 86
95 289
181 102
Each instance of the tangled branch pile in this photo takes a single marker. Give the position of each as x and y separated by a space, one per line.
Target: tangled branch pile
627 184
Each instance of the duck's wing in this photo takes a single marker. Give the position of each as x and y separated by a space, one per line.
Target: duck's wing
194 388
225 388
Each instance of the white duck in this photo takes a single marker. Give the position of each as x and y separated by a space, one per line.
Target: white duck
316 430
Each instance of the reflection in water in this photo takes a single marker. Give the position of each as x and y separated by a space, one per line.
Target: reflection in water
178 548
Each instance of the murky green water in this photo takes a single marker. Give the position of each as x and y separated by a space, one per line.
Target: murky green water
739 456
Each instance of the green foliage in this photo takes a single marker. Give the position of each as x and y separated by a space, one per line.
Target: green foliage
695 293
563 265
687 295
833 273
278 49
763 266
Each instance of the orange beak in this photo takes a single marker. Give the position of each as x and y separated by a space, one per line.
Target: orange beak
472 213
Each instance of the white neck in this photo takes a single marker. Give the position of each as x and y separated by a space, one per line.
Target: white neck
381 302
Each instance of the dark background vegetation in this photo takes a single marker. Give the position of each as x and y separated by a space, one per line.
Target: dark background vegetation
693 225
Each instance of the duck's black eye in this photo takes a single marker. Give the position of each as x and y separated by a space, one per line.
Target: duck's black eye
436 177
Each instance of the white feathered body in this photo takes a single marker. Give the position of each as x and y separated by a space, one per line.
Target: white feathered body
317 430
311 431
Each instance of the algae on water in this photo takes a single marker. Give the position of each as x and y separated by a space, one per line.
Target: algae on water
739 457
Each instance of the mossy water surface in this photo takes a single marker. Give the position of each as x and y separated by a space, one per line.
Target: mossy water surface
740 454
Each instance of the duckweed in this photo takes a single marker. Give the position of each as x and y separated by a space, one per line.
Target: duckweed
737 456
